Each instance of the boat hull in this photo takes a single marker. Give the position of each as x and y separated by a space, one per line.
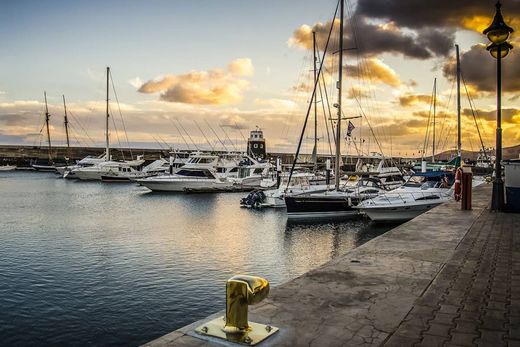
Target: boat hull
183 185
397 213
310 207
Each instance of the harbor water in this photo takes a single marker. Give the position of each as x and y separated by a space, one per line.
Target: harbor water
113 264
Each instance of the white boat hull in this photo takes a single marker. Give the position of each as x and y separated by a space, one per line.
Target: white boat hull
86 175
400 213
182 185
7 168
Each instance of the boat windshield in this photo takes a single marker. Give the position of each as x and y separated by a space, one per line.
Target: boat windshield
415 181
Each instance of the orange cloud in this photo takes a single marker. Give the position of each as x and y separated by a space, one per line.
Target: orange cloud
213 87
414 99
378 72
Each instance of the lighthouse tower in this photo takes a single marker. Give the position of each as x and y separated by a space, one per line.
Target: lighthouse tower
256 144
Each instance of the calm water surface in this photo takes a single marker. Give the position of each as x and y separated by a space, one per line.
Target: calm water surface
112 264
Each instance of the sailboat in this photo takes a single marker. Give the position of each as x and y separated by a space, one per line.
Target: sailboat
109 169
48 165
422 192
339 202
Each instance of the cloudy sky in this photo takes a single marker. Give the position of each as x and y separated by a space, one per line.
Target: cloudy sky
212 69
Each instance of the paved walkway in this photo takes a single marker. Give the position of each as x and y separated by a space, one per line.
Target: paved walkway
448 277
475 299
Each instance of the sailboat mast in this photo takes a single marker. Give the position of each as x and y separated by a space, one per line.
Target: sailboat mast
459 145
340 80
47 117
107 150
315 151
434 110
66 122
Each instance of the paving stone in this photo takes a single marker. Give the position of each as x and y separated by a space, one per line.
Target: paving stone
463 339
400 341
432 341
466 326
491 338
446 308
493 324
438 330
444 318
410 330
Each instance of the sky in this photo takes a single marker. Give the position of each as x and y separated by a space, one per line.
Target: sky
202 74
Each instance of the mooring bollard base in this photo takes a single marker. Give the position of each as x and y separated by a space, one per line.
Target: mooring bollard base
256 334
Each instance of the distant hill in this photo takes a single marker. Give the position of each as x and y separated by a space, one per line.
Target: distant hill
507 153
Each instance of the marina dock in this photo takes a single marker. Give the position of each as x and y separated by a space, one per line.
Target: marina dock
445 277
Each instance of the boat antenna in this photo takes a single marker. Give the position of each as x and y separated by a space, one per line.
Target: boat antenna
47 117
66 122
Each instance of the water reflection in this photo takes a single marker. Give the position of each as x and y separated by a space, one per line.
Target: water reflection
113 264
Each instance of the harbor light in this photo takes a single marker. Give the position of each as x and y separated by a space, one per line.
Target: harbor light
498 33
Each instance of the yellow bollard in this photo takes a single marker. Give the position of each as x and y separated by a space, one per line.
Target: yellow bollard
241 291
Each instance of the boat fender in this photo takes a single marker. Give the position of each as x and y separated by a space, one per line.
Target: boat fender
458 185
349 201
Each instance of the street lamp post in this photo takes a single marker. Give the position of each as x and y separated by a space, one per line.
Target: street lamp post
497 33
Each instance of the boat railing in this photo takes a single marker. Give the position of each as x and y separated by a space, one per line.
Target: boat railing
405 197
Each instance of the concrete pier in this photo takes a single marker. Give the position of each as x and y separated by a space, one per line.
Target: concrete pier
448 277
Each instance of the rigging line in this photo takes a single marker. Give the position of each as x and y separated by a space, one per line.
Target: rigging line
207 141
182 136
325 118
193 142
371 130
76 119
313 94
214 133
117 135
240 130
120 114
473 113
225 133
86 134
445 115
168 146
426 135
160 144
328 106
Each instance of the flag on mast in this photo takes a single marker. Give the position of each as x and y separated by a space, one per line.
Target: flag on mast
350 128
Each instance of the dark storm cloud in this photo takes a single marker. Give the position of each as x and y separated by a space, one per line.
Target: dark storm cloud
374 39
420 14
479 70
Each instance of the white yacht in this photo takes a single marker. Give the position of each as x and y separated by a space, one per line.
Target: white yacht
301 182
66 171
333 203
420 193
111 171
200 171
252 173
7 167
